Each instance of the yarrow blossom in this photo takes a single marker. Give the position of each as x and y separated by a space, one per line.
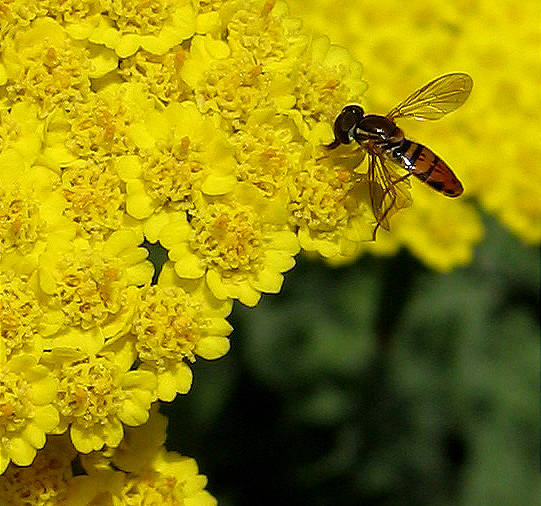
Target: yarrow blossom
140 471
193 128
494 164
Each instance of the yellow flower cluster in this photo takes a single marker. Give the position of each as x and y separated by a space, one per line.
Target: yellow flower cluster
492 144
195 125
142 473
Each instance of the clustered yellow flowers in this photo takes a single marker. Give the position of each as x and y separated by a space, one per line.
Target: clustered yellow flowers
490 142
195 124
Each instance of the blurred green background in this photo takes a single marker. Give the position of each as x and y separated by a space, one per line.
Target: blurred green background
379 383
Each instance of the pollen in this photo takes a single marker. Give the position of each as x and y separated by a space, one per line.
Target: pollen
20 313
49 74
235 86
160 74
167 324
94 199
144 17
20 221
89 391
88 288
322 199
228 237
266 157
318 91
98 129
171 174
205 6
16 407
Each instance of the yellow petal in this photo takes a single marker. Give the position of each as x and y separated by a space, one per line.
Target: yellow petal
34 435
213 347
85 440
216 286
139 274
267 281
218 326
218 185
248 295
187 265
139 205
167 387
47 418
183 378
133 414
20 451
113 432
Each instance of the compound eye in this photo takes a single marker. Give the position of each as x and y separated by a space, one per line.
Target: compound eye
355 110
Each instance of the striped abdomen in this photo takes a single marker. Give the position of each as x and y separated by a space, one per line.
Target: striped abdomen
427 166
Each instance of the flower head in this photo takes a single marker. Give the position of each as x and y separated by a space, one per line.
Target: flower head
153 26
47 481
187 157
172 324
241 252
92 288
27 413
97 394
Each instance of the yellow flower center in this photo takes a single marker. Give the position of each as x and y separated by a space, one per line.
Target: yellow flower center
204 6
323 200
51 75
159 73
89 288
228 238
98 129
20 313
15 407
90 391
260 33
318 91
264 161
167 325
20 222
140 16
171 174
72 11
94 198
235 85
154 488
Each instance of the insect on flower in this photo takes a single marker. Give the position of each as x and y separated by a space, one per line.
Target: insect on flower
386 143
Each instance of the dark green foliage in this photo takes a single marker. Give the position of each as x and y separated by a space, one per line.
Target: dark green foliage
378 384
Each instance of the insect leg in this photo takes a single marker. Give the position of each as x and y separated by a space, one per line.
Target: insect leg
396 181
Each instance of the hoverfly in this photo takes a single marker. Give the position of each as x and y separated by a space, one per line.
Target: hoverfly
385 142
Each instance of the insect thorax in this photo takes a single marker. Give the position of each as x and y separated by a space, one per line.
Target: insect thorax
378 129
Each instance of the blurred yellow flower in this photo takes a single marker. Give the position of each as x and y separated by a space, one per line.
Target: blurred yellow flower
488 143
47 481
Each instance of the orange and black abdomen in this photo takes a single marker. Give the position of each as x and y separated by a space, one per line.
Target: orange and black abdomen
428 167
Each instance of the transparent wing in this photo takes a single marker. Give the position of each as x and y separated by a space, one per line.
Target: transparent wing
436 99
387 191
